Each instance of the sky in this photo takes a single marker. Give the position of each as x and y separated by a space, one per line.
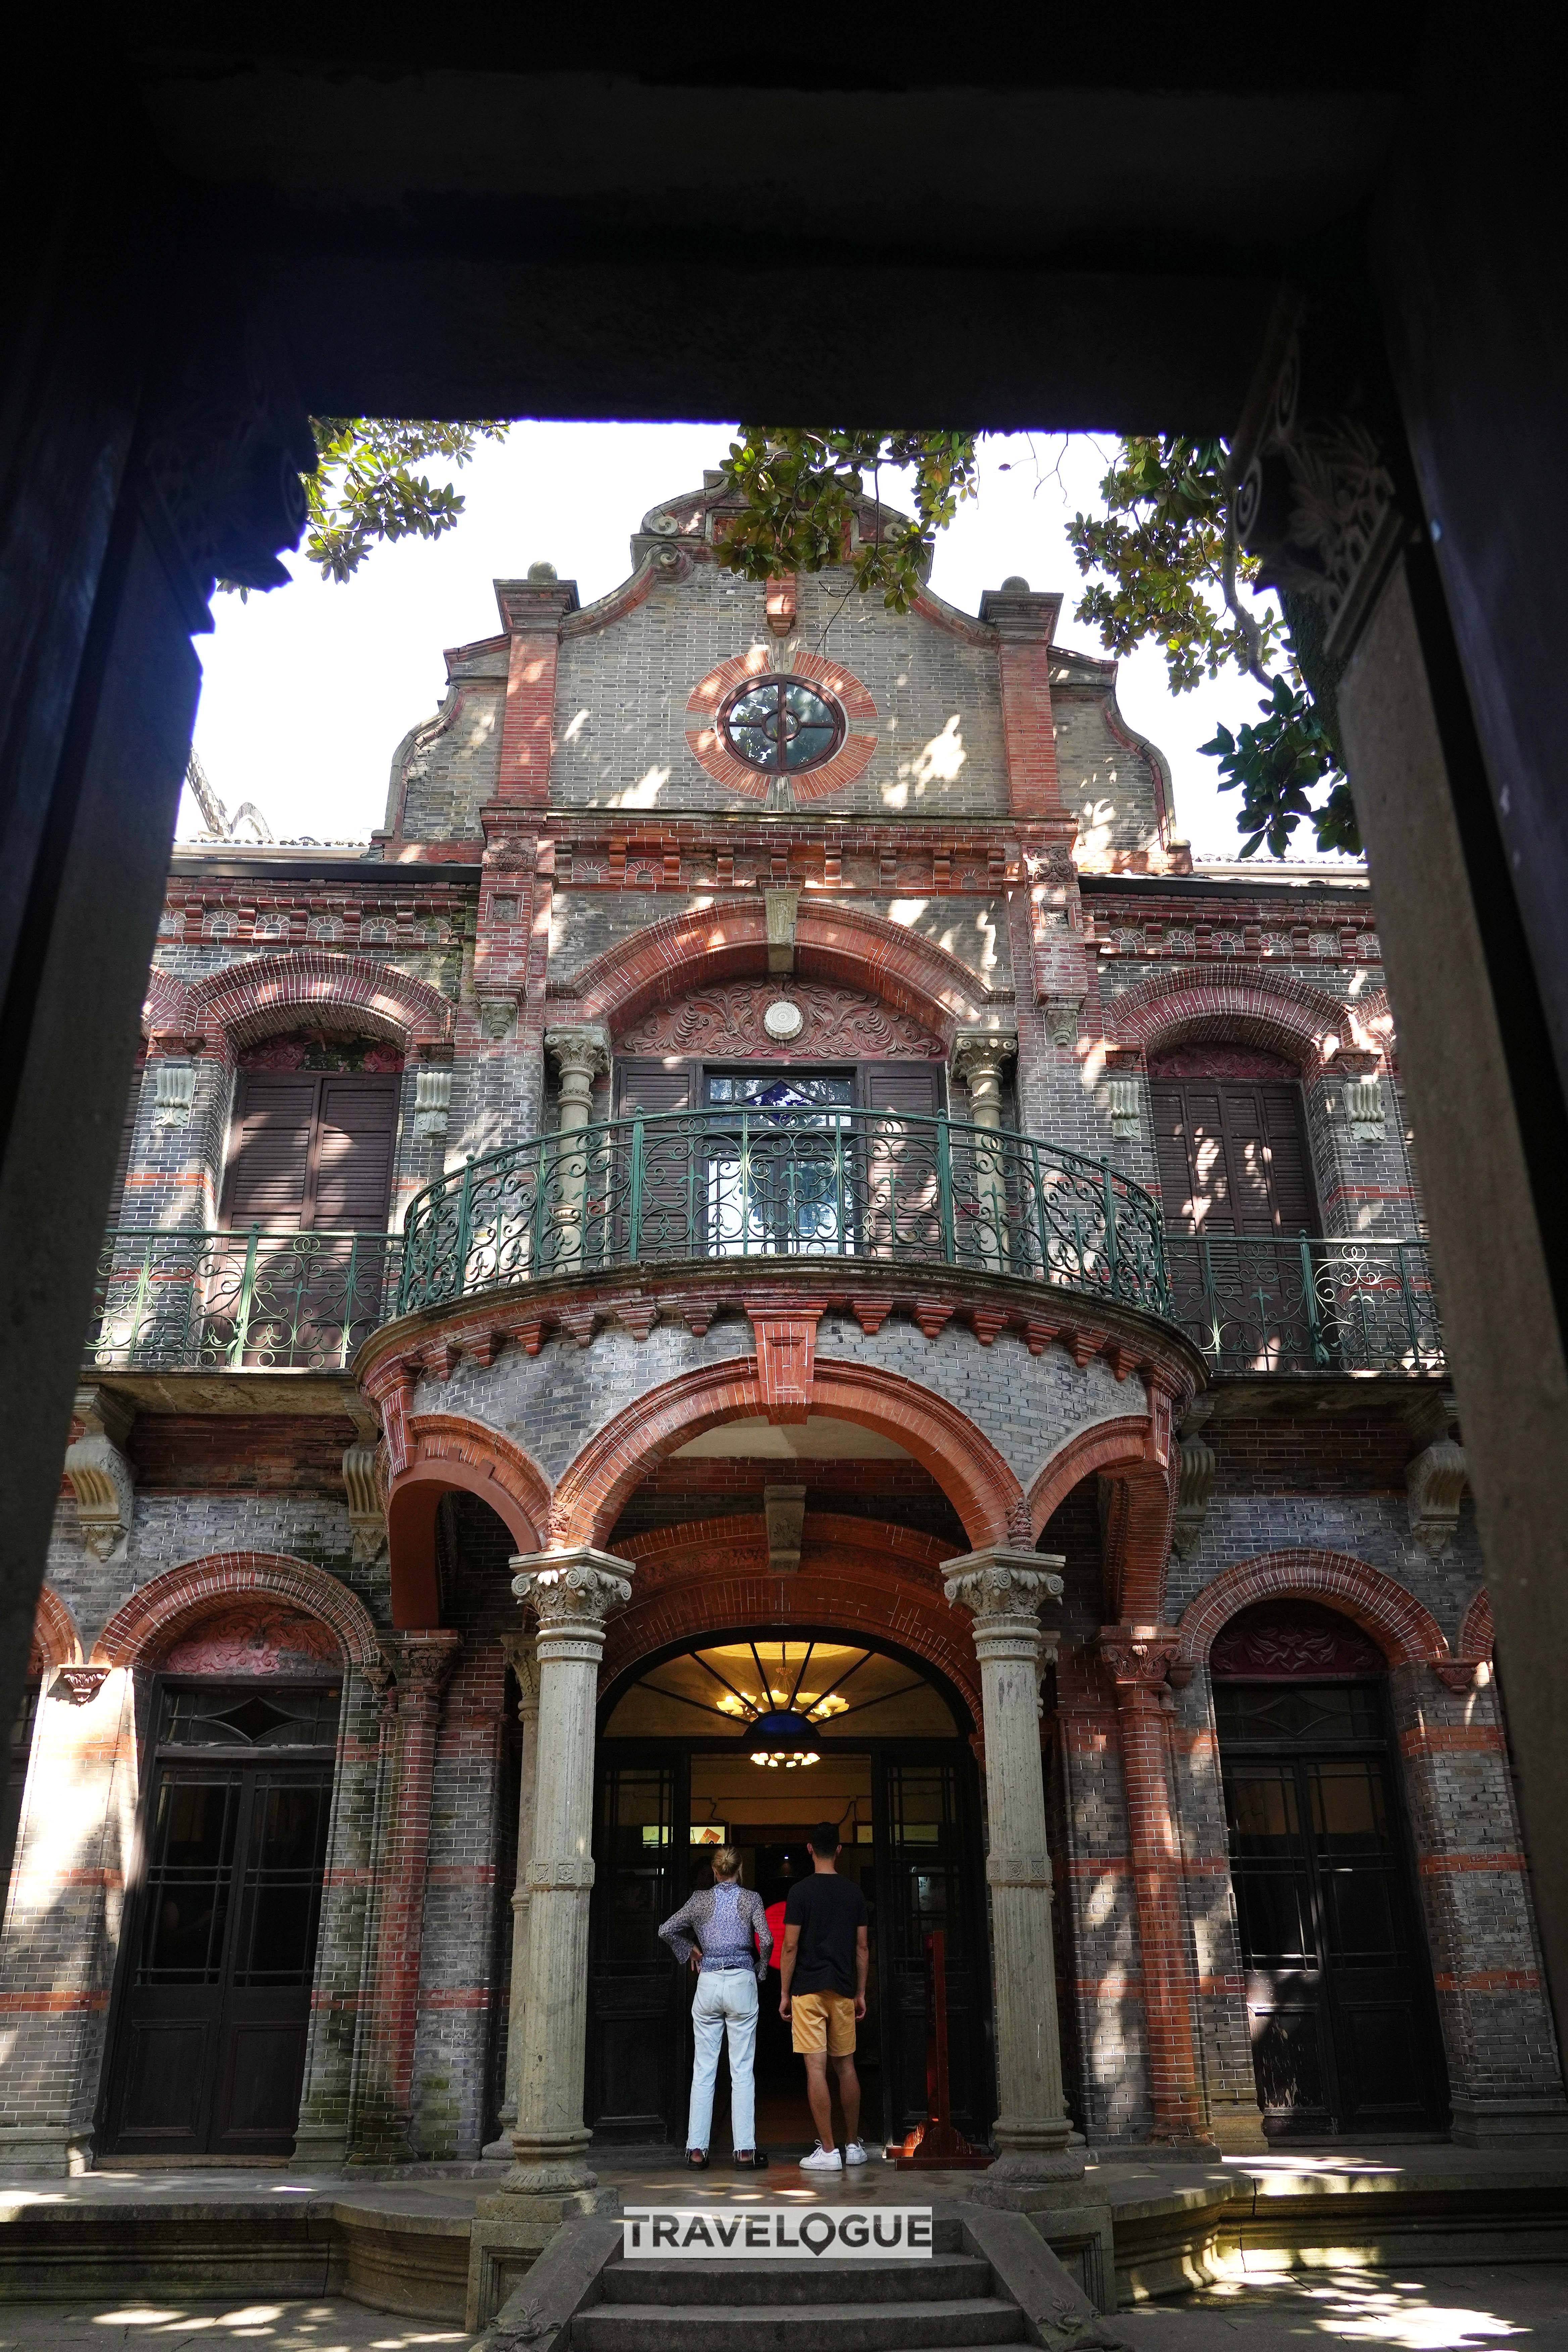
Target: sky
309 690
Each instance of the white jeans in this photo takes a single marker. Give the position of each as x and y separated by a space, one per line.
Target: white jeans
726 1999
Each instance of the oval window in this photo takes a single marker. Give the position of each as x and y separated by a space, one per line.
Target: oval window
781 726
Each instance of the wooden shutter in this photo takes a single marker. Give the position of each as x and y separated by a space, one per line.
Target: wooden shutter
911 1087
356 1132
312 1151
654 1086
270 1167
674 1180
1232 1156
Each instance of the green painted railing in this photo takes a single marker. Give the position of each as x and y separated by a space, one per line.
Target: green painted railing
1307 1304
755 1182
249 1301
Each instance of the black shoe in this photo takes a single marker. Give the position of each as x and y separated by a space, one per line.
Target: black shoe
756 2162
697 2159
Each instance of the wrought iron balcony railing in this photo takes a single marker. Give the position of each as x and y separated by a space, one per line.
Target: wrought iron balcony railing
1350 1304
248 1301
751 1183
839 1184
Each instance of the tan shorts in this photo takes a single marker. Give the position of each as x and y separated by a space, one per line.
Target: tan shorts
823 2021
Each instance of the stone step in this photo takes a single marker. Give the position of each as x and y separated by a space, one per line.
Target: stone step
907 2327
786 2280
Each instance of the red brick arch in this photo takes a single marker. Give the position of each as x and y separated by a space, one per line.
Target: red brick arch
728 940
968 1468
449 1452
1476 1636
168 1008
1251 1004
172 1603
260 995
855 1576
1126 1443
1406 1632
56 1641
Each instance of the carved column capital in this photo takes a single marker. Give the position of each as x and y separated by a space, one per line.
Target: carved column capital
519 1651
580 1053
980 1056
422 1662
1139 1660
571 1593
1005 1591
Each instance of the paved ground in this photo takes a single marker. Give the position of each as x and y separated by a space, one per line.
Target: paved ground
117 2327
1438 2309
1443 2311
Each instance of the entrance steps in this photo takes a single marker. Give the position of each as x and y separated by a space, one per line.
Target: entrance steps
991 2285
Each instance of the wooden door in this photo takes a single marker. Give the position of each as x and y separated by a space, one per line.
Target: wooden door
215 2003
927 1845
671 1210
1338 1989
638 2004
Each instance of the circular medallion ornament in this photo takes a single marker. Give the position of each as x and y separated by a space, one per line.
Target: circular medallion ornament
783 1021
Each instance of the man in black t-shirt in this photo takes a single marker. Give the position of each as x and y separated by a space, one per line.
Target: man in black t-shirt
822 1992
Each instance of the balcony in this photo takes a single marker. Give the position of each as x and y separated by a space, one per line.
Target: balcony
735 1184
1348 1304
832 1184
238 1302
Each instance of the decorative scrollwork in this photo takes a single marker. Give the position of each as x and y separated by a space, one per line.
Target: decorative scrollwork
1311 1305
746 1182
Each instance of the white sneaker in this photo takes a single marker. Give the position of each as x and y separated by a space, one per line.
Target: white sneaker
824 2159
854 2151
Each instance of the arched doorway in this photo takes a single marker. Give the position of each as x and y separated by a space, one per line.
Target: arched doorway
894 1770
212 2004
1339 1989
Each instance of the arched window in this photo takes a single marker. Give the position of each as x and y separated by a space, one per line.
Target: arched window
1231 1140
314 1130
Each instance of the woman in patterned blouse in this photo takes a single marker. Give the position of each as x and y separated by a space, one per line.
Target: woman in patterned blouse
722 1934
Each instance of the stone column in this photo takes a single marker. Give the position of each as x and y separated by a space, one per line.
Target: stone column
520 1657
1005 1590
572 1592
977 1061
1137 1660
581 1055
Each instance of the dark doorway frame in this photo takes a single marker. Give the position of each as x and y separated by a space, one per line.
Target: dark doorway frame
317 1758
970 2003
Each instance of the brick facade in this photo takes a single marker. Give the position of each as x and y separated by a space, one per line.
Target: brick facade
569 848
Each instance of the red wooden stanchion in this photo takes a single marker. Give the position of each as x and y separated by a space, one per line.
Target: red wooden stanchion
934 2146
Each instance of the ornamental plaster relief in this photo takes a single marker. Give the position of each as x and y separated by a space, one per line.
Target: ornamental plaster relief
842 1023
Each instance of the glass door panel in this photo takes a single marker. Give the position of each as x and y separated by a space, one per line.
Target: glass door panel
638 2004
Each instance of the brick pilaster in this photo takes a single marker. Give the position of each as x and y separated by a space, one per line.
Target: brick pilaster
422 1662
1024 624
532 613
1137 1662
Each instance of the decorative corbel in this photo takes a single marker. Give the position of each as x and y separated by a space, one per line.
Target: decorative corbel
1124 1094
1061 1018
173 1093
497 1015
1195 1479
1364 1098
367 1498
786 1509
432 1101
98 1472
782 908
1434 1480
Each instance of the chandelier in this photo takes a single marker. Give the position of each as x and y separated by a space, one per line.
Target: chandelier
783 1693
781 1739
